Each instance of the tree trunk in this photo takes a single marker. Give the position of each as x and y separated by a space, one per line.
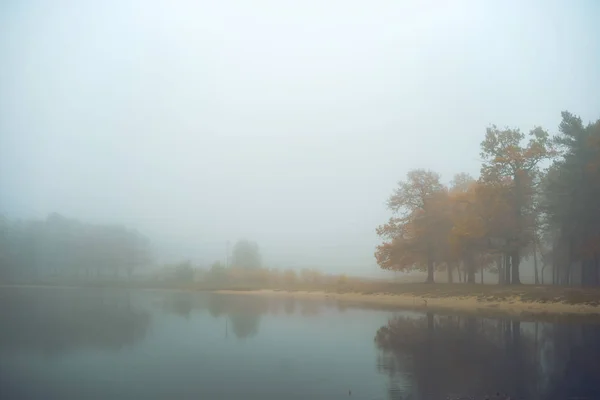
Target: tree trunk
569 263
449 269
589 272
535 264
500 267
515 268
515 256
506 268
554 262
460 277
543 269
429 270
590 276
482 274
470 269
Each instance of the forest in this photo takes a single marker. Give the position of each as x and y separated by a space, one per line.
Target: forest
64 246
66 250
536 196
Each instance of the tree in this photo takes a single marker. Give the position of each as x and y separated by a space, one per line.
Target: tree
246 255
571 192
468 230
217 273
60 246
183 271
412 232
460 187
506 158
461 182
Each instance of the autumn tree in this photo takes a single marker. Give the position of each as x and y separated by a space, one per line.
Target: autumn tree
507 158
460 183
467 230
411 233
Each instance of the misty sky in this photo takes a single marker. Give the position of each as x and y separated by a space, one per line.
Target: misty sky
285 122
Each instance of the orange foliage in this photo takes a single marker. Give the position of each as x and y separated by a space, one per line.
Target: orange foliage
453 225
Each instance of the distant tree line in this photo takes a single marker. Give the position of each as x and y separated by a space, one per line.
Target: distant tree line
515 208
62 246
246 270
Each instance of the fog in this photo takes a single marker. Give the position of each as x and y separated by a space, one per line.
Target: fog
287 123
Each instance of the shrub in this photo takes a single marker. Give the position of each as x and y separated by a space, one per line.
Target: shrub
183 272
342 279
290 277
217 273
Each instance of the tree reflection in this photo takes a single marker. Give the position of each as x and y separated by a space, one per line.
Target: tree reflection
289 305
244 312
57 321
435 357
179 304
572 355
309 308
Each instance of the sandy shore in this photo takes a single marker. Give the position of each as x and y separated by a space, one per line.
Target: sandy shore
513 305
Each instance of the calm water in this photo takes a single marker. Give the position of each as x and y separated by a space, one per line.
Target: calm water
114 344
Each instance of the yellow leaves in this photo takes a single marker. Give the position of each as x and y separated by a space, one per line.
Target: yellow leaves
413 193
398 255
505 154
468 222
481 213
448 225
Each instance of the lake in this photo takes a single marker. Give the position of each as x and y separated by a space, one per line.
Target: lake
118 344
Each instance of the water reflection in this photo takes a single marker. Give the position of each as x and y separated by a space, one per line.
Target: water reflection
289 305
243 311
435 357
55 322
323 349
179 303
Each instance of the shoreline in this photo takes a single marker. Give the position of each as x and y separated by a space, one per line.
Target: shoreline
511 301
514 305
